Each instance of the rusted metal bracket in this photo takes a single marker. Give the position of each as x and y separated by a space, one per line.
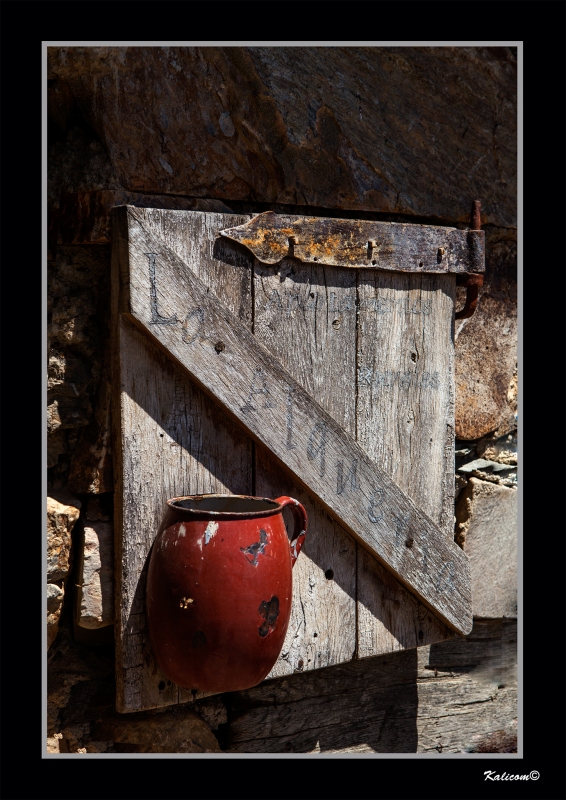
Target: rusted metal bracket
361 244
471 282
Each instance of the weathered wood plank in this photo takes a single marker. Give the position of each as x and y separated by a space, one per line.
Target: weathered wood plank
468 692
405 375
292 320
390 617
361 243
306 317
170 440
225 269
405 423
254 389
454 697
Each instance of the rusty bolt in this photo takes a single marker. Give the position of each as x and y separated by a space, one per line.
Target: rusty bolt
476 215
219 347
372 244
471 282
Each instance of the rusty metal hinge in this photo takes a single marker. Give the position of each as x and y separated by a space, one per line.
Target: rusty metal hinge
365 244
471 282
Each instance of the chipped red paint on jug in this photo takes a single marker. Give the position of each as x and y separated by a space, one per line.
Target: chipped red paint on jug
219 589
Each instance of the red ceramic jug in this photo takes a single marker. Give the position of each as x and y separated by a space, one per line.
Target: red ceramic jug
219 588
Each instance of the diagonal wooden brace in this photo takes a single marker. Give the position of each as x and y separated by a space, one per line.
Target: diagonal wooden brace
252 387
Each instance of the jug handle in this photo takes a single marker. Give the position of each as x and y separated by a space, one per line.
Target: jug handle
300 519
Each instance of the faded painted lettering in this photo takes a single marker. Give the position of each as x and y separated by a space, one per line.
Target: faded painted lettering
259 386
156 318
375 501
317 445
196 317
311 305
290 303
346 302
274 301
386 305
414 306
340 482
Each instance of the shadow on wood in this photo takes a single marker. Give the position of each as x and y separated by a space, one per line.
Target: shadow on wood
450 697
364 706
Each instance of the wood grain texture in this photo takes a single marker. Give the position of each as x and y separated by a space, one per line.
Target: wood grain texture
170 440
361 243
293 321
450 697
253 388
335 332
405 423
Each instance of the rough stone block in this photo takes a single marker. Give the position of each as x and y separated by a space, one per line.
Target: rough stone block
95 590
55 595
486 516
62 513
503 450
53 744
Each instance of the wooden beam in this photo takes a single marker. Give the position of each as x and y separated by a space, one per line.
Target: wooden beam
228 363
361 243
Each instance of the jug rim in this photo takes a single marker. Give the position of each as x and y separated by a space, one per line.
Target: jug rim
273 507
